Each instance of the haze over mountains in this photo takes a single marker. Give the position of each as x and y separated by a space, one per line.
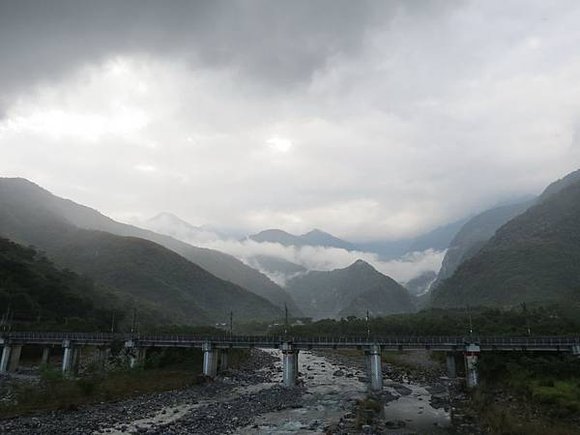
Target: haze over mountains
533 258
281 255
522 252
123 257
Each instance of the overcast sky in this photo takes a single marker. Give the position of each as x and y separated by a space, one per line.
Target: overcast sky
378 119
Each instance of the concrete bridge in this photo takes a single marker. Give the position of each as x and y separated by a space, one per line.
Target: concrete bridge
216 348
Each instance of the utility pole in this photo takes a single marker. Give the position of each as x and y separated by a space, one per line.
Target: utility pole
470 322
368 325
113 323
231 323
285 319
134 322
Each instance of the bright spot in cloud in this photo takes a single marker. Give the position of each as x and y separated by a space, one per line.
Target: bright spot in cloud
279 144
146 168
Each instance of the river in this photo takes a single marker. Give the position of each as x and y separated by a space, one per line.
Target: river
252 401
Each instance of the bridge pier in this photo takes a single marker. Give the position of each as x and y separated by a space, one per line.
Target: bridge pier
210 360
70 358
5 359
289 365
375 368
471 358
451 367
10 357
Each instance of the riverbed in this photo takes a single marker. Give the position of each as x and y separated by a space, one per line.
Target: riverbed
252 401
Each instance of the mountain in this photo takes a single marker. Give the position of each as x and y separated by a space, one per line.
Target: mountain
478 230
276 236
474 234
223 266
312 238
139 268
437 239
320 238
173 226
277 269
34 290
562 183
350 290
534 258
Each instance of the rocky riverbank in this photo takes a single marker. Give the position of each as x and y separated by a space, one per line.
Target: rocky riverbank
411 375
211 408
331 398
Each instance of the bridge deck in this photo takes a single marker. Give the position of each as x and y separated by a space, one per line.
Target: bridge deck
444 343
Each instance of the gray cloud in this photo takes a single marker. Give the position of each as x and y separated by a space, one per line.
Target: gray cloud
367 119
274 42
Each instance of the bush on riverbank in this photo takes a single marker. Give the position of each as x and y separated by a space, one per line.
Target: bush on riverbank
522 321
164 369
529 394
59 393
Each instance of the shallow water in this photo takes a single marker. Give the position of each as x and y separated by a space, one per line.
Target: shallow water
326 400
415 410
329 397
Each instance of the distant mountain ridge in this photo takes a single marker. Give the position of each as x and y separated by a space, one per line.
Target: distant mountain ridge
33 216
478 230
224 266
533 258
437 239
173 226
312 238
349 291
474 234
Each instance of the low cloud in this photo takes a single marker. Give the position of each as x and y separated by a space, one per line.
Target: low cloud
322 258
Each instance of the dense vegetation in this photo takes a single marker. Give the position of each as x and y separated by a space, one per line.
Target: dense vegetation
519 321
527 393
34 291
475 233
533 258
158 279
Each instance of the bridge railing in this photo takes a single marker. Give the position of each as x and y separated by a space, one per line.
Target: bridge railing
323 341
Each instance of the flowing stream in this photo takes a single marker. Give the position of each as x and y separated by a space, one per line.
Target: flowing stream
332 390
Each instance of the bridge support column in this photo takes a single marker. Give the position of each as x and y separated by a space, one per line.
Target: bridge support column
10 358
14 358
471 358
375 368
451 368
68 358
6 349
210 360
289 365
45 356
